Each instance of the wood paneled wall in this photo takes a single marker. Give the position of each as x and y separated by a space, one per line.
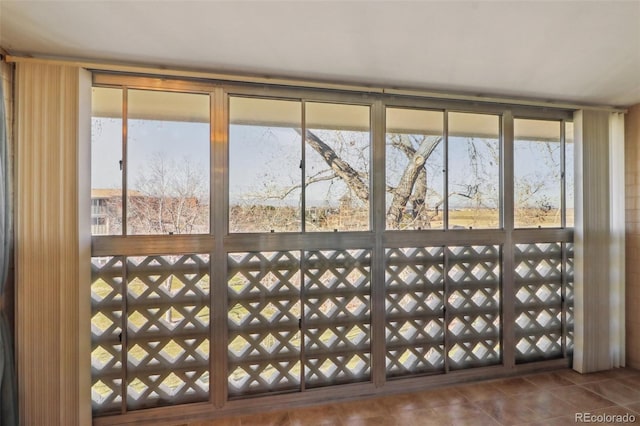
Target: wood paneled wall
632 195
52 244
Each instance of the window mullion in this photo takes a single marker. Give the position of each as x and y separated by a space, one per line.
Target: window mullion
303 168
508 250
123 166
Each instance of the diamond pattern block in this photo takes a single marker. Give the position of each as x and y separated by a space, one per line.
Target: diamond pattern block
336 322
414 310
473 306
106 332
167 330
538 302
263 320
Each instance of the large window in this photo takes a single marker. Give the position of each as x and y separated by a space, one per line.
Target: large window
250 242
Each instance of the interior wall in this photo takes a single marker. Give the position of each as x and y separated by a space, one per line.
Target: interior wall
632 189
52 254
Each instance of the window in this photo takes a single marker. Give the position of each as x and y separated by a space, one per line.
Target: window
414 169
106 157
167 163
537 173
267 166
442 282
337 161
569 174
473 170
265 152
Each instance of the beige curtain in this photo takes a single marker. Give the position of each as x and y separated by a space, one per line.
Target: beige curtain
599 241
8 391
617 251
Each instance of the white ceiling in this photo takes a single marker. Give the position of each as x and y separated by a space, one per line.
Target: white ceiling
576 51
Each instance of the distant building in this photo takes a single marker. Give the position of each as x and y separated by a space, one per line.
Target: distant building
106 209
101 199
179 214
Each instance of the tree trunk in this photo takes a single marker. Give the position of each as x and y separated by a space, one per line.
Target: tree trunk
403 191
418 200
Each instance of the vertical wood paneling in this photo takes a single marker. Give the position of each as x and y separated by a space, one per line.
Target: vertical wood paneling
632 234
592 242
50 348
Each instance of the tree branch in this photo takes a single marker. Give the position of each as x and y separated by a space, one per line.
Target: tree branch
341 168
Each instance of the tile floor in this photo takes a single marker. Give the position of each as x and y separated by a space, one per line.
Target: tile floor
539 399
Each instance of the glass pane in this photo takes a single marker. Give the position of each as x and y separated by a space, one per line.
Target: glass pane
414 164
569 173
537 180
168 168
106 154
474 170
337 167
265 152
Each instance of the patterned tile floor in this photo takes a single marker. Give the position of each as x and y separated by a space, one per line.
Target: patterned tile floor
546 399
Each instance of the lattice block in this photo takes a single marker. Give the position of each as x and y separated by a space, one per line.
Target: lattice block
250 378
538 302
414 346
415 330
106 395
168 330
106 333
569 294
474 353
414 281
169 387
337 316
256 273
539 346
414 359
540 262
473 306
333 369
168 278
414 267
264 322
414 305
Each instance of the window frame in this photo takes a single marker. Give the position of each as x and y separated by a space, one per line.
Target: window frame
219 242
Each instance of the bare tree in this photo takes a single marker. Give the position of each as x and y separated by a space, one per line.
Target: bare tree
413 201
170 197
